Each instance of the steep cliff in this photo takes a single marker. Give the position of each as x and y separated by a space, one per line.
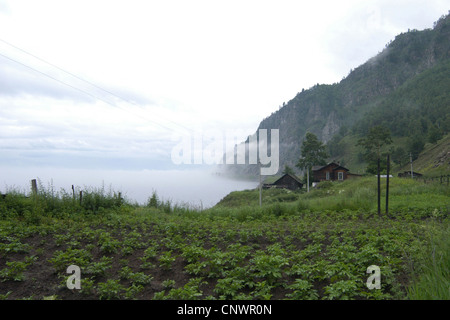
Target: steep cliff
330 109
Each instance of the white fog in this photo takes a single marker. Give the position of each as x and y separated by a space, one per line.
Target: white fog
195 187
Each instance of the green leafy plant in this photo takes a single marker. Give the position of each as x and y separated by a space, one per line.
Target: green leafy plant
302 290
190 291
63 259
87 286
343 290
110 290
137 278
15 246
268 266
165 260
262 290
108 244
97 269
13 271
149 256
168 284
228 288
132 291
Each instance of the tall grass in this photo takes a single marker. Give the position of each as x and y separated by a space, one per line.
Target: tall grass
48 202
433 281
361 195
338 200
405 195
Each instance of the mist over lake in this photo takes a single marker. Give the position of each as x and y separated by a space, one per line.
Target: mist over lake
195 187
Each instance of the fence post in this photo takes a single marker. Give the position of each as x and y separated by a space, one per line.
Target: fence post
34 187
387 185
81 197
378 178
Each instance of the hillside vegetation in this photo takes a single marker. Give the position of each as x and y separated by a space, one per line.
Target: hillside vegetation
404 88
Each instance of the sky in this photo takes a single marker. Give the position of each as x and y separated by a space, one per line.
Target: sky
113 84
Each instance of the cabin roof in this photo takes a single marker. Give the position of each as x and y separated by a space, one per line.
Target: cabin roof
338 166
291 176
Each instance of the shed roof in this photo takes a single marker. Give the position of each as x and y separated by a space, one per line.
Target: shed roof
338 166
290 175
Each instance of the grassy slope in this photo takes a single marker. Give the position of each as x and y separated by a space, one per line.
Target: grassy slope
354 194
434 159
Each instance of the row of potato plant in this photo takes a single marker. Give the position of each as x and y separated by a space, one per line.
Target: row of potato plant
279 251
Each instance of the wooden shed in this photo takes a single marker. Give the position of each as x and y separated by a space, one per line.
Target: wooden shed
407 174
287 181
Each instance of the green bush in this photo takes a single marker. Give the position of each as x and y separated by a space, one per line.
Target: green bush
110 290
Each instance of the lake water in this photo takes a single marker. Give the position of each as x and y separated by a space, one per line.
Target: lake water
200 188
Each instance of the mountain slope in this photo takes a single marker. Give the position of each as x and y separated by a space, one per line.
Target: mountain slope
396 80
434 160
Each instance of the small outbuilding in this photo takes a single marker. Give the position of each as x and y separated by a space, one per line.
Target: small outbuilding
287 181
407 174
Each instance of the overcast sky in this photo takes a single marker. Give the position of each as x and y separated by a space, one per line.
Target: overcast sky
107 83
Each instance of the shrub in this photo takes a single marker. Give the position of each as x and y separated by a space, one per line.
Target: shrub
109 290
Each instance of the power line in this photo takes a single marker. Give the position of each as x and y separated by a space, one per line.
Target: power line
88 82
53 78
82 91
65 71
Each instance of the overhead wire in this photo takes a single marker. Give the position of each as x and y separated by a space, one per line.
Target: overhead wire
90 83
61 69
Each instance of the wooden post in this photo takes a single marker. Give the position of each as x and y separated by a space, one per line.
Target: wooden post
260 184
307 178
410 159
81 197
73 192
387 184
379 189
34 186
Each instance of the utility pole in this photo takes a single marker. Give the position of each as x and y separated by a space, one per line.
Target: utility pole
410 159
307 179
379 189
260 184
387 184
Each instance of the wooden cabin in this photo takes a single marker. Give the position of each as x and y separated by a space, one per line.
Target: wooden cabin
287 181
330 172
407 174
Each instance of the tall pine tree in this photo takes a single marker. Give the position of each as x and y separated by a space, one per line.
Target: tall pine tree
313 153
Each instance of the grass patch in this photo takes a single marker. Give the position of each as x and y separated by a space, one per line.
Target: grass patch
432 282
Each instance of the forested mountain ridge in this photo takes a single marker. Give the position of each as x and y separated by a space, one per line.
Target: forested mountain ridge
405 88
